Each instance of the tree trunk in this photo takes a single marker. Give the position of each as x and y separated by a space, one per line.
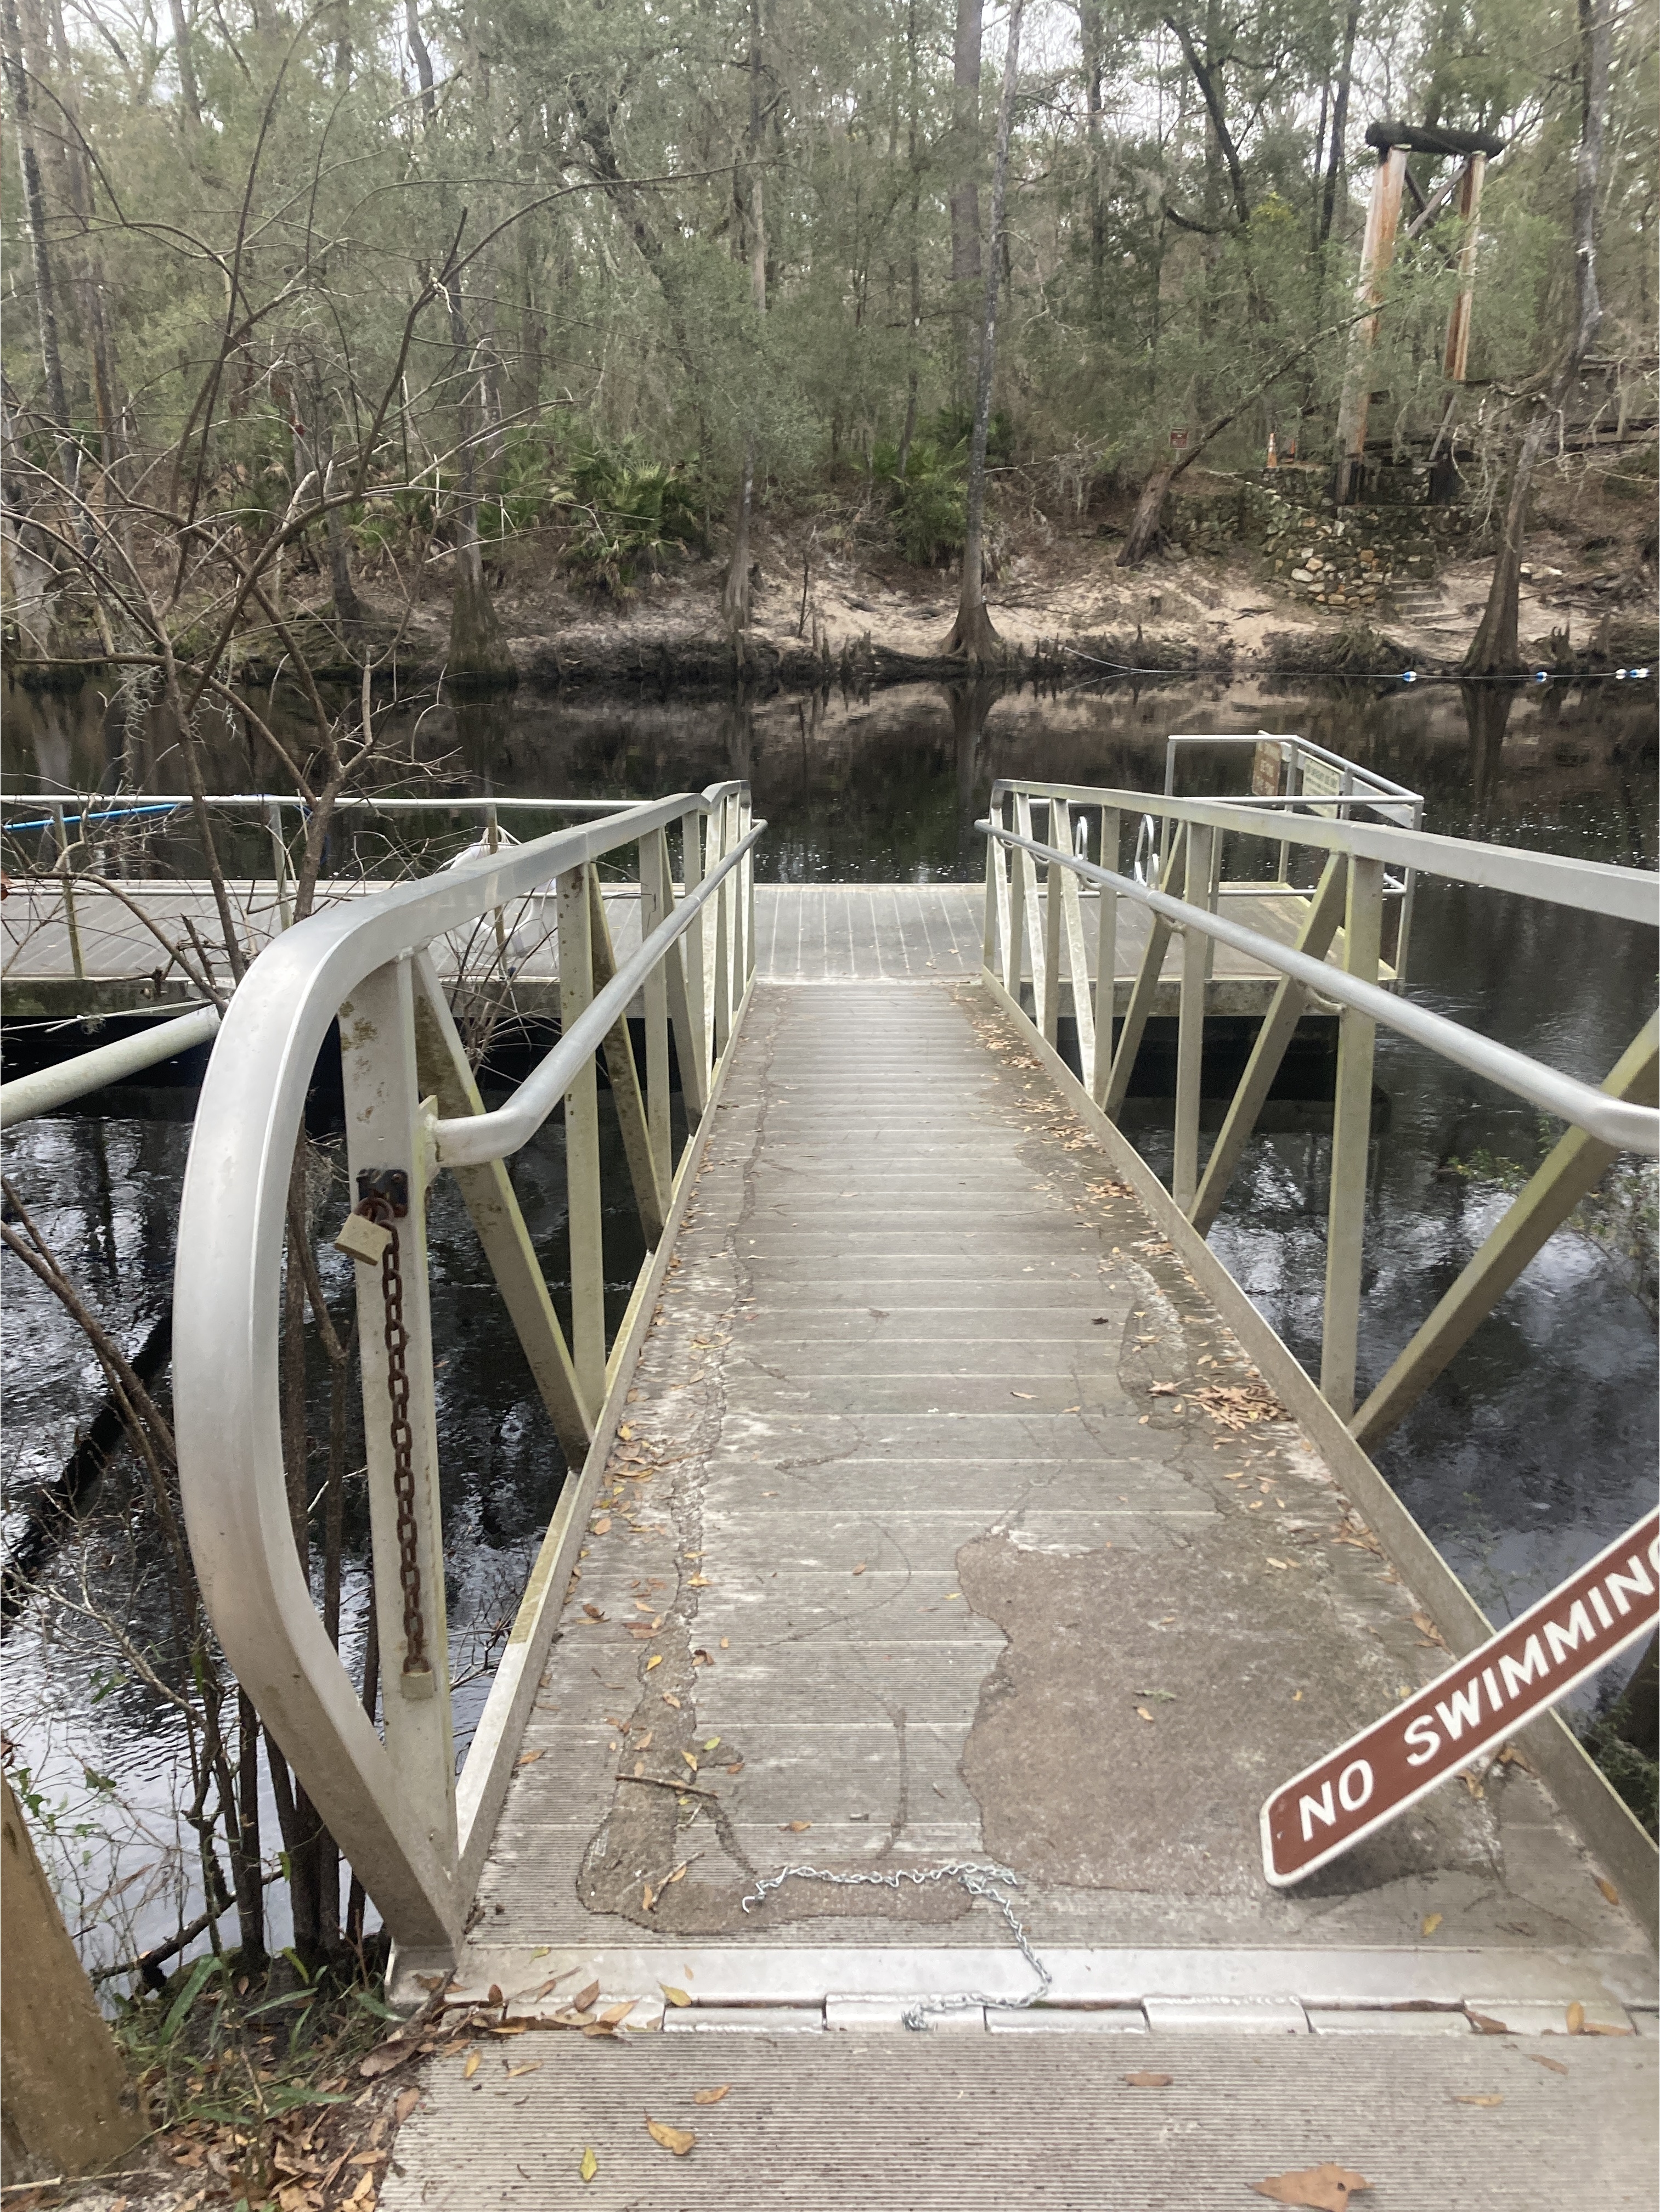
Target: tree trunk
965 191
421 57
1339 112
1144 523
476 654
1495 649
735 592
184 62
1093 37
34 212
972 634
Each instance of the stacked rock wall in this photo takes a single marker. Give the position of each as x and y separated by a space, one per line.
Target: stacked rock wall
1350 558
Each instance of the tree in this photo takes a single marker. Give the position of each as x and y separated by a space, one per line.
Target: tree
1495 649
972 634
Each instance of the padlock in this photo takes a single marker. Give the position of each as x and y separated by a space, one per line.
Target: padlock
363 1239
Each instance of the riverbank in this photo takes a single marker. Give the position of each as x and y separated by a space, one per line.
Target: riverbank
833 602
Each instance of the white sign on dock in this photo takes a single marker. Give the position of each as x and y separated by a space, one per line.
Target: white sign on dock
1582 1624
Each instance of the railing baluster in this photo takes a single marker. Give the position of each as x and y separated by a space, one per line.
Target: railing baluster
385 1129
77 965
1059 834
1070 900
582 1196
1106 955
1351 1137
1028 936
1278 1026
686 1001
656 896
488 1196
1142 994
649 1195
1190 1026
719 830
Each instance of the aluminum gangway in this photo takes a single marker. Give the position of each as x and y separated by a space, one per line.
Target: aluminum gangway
951 1558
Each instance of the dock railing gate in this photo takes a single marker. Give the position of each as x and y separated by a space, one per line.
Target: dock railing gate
415 1833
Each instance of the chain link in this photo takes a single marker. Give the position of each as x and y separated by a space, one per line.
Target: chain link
978 1881
403 1438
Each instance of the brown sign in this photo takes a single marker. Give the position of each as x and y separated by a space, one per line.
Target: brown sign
1475 1705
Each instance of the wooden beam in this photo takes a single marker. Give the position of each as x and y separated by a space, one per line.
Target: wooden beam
1377 252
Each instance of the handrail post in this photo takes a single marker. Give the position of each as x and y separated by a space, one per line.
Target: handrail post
1351 1137
1106 954
693 1042
64 874
656 896
1049 1011
720 837
1190 1026
385 1128
582 1197
280 856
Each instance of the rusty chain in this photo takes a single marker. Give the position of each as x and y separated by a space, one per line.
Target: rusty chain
378 1208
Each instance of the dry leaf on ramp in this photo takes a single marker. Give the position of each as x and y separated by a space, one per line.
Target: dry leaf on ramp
1149 2080
1478 2101
1431 1922
586 1998
407 2101
1608 1890
1325 2188
590 2165
1554 2065
678 2140
674 1996
711 2096
1576 2019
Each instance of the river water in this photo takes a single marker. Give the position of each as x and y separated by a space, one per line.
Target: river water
1538 1445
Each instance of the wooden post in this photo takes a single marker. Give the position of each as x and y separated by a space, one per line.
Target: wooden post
1377 252
68 2106
1458 322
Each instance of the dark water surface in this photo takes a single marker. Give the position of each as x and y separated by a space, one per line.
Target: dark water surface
1538 1445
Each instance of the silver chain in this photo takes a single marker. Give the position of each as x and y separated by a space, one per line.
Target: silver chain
978 1881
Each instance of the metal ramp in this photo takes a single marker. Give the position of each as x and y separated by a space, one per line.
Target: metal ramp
951 1561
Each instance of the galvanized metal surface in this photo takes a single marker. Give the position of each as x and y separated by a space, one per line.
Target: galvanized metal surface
942 2122
924 1536
46 1089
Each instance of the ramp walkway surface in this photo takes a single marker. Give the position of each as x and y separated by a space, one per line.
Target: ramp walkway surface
956 1592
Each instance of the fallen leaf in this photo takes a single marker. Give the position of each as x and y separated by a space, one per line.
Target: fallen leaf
471 2067
862 1566
529 2066
585 2000
795 1828
711 1743
1539 2058
590 2165
674 1996
1478 2101
525 1758
1597 2027
407 2101
1027 1394
711 2096
1149 2080
679 1874
647 1897
626 1431
691 1758
678 2140
656 1660
1576 2019
725 1642
1485 2024
737 1769
1145 1714
669 1698
1431 1922
1325 2188
1608 1890
614 2015
594 1613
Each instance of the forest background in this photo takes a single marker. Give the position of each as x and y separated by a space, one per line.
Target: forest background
369 293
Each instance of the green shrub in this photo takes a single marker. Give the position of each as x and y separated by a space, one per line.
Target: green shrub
929 504
626 513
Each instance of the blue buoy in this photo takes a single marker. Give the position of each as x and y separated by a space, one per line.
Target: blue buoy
1408 676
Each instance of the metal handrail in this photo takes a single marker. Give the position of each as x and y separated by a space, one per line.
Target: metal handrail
1631 1128
1592 886
1621 1115
44 1088
414 1835
1379 790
